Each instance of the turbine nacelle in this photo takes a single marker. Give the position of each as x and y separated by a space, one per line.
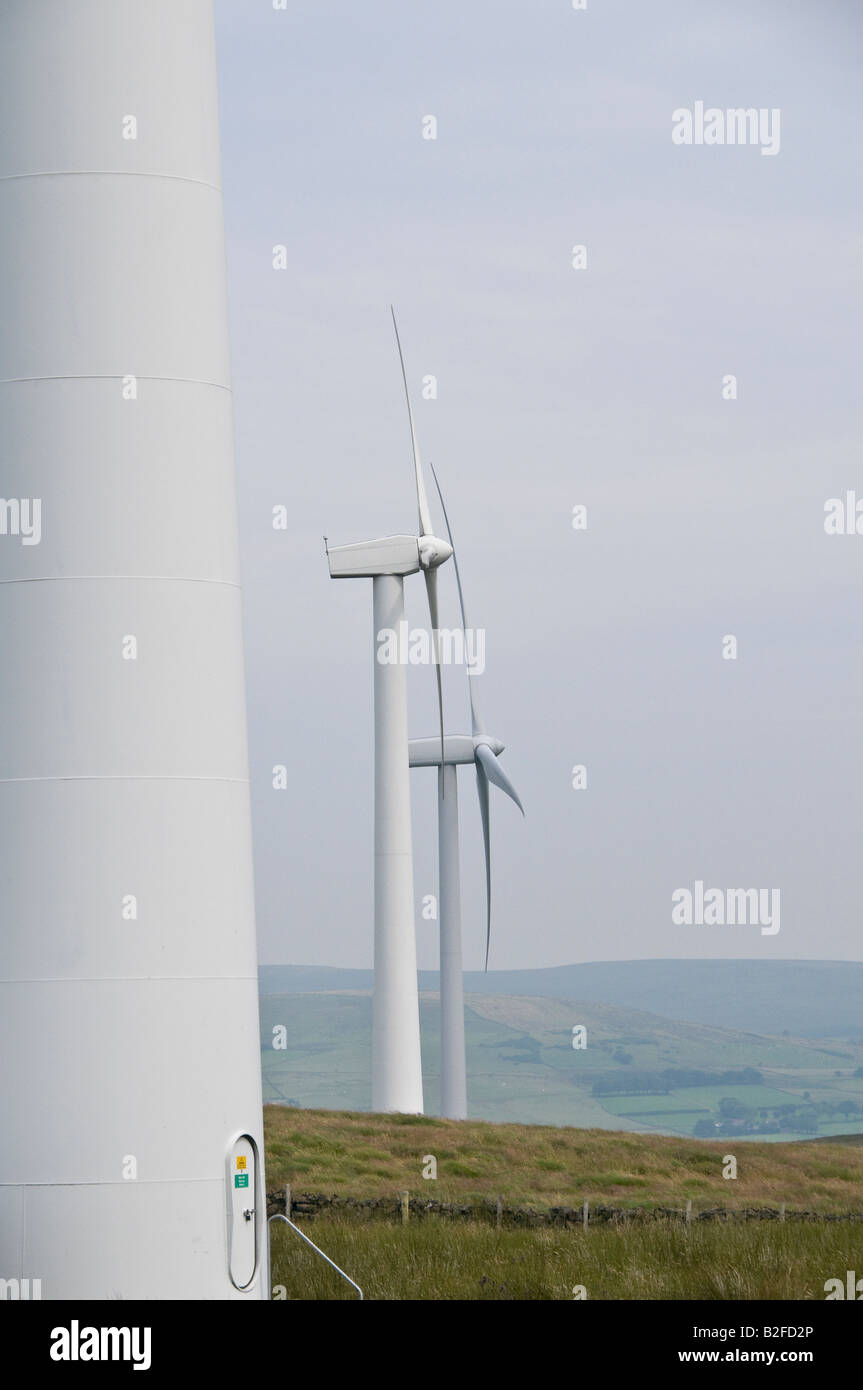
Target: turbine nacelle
367 559
458 749
387 555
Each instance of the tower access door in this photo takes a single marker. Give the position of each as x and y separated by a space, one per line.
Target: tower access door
243 1219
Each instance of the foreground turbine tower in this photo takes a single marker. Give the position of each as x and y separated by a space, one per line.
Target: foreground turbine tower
130 1095
483 752
397 1083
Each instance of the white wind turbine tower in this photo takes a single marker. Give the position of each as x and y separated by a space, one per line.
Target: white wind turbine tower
483 751
131 1136
396 1061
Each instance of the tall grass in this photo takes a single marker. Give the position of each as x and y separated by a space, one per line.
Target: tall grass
438 1260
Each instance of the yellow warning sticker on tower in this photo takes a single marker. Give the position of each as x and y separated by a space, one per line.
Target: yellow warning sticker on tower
241 1161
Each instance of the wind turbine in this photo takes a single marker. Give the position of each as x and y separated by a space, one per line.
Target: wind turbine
483 751
396 1061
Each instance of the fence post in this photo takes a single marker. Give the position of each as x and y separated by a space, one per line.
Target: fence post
288 1200
406 1207
688 1210
499 1211
585 1216
782 1212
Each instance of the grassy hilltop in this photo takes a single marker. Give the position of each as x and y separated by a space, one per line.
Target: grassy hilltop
367 1155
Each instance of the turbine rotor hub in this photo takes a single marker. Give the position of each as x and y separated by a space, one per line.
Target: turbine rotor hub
488 741
433 551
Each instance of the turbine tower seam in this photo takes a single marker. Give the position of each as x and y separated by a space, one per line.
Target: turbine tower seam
110 174
139 1182
128 578
116 376
110 979
129 777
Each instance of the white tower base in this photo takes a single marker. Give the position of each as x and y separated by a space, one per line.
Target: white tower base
396 1061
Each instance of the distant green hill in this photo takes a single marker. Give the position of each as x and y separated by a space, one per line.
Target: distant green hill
808 999
522 1067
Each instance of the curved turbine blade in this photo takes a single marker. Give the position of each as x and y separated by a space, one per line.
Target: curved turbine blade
482 791
475 721
431 592
452 543
495 773
422 499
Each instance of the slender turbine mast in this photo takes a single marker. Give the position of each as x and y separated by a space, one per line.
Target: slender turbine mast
130 1085
396 1060
483 751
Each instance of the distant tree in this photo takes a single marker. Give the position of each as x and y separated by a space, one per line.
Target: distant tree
704 1129
688 1076
747 1076
730 1108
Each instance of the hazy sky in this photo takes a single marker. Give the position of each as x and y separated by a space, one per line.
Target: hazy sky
556 387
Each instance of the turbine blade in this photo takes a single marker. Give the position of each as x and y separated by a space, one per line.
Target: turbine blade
482 791
452 543
495 773
431 592
422 499
475 720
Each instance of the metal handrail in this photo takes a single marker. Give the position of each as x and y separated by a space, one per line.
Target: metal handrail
279 1217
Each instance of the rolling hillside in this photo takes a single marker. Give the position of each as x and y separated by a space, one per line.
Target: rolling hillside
809 999
638 1072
